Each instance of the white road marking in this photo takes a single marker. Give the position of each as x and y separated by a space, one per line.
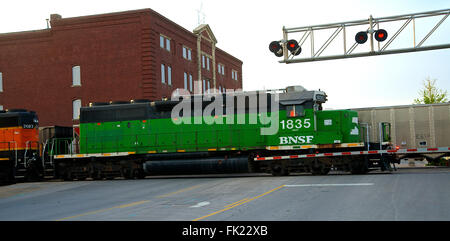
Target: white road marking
330 185
201 204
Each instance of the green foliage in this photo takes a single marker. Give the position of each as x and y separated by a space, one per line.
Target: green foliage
430 94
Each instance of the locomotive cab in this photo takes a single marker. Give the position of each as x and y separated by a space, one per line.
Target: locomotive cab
19 144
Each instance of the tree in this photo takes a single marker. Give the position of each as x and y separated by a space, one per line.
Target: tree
430 94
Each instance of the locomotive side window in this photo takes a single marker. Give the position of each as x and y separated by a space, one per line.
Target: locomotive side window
295 111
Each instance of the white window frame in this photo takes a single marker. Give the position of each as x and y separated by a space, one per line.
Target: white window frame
187 53
169 75
163 74
1 83
221 69
204 86
164 42
161 41
234 74
168 44
76 75
76 105
190 83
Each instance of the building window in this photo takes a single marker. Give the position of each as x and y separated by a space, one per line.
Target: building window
163 74
164 42
161 41
1 82
187 53
204 86
205 62
1 107
76 104
168 44
186 77
169 75
76 76
234 74
221 69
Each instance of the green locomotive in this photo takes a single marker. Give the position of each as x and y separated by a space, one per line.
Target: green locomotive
119 137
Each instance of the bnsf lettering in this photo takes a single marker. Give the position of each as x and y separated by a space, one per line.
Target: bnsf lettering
295 139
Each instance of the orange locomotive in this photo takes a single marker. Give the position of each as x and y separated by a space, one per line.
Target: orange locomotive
19 145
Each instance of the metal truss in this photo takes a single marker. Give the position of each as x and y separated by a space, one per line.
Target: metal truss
371 25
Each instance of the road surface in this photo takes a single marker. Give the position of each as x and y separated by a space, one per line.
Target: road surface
408 194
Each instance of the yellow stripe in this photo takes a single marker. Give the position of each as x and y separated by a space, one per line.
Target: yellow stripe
353 144
11 128
229 205
4 159
213 149
273 148
238 204
151 151
80 155
107 154
104 210
181 150
132 152
14 149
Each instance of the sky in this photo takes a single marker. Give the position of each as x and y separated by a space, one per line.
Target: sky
244 28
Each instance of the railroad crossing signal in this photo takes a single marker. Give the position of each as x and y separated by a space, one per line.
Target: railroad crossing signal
275 47
380 35
293 47
289 48
361 37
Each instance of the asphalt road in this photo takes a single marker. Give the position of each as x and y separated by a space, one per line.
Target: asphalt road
408 194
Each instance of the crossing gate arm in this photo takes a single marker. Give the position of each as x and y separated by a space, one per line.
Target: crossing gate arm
354 153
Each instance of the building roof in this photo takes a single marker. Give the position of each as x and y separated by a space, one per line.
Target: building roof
205 27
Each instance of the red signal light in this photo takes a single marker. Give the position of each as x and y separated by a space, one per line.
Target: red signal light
381 35
292 45
275 47
361 37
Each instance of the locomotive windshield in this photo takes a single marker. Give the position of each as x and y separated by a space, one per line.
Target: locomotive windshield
26 120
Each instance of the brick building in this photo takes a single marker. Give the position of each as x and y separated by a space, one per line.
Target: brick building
127 55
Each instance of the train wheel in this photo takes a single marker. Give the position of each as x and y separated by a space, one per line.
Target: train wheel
68 176
319 168
279 169
322 170
138 173
359 167
126 173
